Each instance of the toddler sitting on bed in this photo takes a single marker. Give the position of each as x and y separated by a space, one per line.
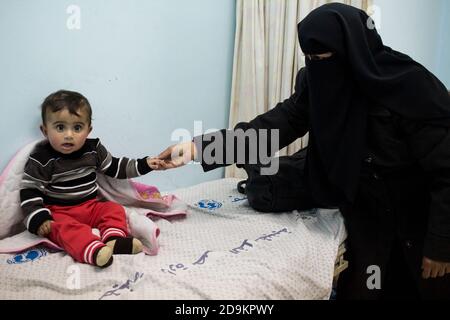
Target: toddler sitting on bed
59 190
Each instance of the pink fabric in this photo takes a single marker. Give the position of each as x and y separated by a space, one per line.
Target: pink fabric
150 194
23 241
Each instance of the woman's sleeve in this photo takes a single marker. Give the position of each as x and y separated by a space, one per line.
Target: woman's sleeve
430 146
286 122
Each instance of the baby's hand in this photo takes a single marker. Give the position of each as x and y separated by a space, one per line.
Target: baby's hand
45 228
155 163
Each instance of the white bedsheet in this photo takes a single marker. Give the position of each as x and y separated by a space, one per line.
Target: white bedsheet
222 250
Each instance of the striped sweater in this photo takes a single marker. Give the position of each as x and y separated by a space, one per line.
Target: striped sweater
54 178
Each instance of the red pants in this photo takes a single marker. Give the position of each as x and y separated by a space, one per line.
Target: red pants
72 227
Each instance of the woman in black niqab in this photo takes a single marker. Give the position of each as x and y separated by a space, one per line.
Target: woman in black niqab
349 71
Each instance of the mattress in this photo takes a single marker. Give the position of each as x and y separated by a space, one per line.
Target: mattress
223 250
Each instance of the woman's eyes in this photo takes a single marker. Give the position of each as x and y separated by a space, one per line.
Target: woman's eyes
318 57
315 58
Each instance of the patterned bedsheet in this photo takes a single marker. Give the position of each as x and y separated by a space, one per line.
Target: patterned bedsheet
222 250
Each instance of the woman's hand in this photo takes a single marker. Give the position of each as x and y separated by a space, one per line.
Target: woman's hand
433 269
176 156
155 163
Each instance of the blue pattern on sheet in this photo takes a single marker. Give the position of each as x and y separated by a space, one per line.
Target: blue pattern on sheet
28 256
209 204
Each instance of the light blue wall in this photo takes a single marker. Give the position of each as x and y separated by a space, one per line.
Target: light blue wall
420 29
444 45
148 67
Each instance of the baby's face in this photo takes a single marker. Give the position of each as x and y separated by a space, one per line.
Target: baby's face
67 132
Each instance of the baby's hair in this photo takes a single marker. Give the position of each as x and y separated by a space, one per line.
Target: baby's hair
64 99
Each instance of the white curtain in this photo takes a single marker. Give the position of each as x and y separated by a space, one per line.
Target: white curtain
267 57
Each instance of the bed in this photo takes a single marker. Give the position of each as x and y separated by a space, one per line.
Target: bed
222 250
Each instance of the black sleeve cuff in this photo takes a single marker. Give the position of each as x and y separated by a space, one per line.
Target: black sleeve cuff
437 248
200 144
38 220
143 166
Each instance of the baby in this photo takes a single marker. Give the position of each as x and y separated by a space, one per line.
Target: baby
59 190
